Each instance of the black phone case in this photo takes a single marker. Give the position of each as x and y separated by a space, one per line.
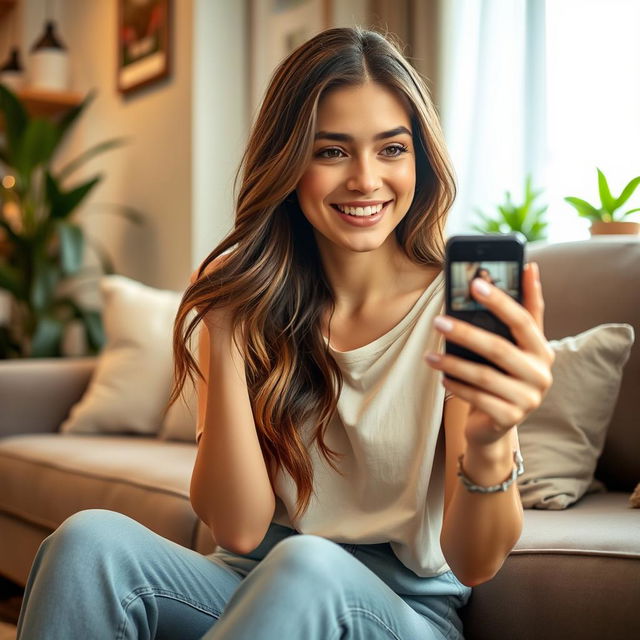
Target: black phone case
489 247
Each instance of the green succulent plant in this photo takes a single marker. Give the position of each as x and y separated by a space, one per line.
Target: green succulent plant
526 218
606 212
41 243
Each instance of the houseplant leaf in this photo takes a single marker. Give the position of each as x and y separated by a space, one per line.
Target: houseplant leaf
91 321
94 329
16 119
72 115
71 247
47 337
105 261
97 149
583 208
627 192
34 148
134 216
608 201
513 217
63 203
45 280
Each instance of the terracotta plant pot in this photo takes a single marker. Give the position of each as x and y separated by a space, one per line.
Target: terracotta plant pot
626 228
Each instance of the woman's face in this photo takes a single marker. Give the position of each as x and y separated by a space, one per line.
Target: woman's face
363 162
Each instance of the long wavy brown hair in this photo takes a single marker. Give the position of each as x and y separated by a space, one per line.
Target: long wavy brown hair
271 279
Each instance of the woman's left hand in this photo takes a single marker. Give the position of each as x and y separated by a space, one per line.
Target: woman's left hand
499 401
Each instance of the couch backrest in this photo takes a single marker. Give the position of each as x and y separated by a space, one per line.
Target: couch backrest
587 283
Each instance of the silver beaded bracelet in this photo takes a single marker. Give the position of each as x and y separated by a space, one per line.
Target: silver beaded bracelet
518 470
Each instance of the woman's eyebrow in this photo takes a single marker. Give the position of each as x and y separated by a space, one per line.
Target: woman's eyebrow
345 137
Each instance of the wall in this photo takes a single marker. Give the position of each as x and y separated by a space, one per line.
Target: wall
219 117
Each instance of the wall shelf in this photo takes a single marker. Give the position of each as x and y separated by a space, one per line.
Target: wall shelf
48 103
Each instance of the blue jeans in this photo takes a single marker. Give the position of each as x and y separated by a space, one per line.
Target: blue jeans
104 575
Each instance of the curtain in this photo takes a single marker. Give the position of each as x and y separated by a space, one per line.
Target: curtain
492 100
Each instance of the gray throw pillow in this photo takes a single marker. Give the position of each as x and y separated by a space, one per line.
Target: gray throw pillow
562 440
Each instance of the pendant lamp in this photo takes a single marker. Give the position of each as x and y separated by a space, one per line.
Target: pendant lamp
49 61
12 71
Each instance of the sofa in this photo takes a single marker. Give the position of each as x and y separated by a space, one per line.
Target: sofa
575 572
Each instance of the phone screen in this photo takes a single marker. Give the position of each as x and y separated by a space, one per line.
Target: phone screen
502 274
496 259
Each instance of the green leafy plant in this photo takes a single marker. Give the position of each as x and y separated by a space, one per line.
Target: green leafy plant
41 243
606 212
526 218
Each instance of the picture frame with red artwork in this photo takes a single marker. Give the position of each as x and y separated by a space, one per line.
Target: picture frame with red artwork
144 43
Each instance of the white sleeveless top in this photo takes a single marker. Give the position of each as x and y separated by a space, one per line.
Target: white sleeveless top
387 425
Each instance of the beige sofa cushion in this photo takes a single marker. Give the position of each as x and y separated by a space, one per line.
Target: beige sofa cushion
130 386
562 440
601 523
47 478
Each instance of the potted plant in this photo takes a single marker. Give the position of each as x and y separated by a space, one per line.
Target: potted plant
41 243
526 218
606 219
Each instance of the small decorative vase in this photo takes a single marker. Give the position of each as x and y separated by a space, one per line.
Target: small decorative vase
49 62
12 72
617 228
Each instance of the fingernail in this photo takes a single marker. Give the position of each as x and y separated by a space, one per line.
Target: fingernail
536 271
481 287
442 323
433 357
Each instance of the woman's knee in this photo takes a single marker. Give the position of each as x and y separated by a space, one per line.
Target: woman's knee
313 557
88 531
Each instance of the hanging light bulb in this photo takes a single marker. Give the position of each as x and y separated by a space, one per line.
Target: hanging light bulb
49 60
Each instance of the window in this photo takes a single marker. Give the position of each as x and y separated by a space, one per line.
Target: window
548 88
593 105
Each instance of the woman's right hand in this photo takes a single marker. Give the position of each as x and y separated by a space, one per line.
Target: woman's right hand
217 320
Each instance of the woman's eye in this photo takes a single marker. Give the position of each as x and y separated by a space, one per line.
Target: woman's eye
330 153
394 150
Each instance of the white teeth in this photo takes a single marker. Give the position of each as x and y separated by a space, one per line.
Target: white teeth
361 211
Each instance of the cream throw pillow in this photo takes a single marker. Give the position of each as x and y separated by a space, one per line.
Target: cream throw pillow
131 383
562 440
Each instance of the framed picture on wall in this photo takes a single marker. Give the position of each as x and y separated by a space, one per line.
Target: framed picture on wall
277 27
144 43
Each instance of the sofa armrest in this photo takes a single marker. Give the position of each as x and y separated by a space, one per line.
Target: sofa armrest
36 395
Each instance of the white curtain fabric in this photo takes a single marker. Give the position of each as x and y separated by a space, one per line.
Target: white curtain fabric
492 100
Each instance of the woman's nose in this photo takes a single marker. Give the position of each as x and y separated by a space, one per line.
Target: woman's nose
364 177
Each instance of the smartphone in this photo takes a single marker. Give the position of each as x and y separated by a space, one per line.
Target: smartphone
497 258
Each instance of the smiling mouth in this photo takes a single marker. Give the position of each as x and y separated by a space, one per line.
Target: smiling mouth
361 212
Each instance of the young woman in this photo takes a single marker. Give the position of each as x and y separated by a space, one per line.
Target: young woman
328 441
